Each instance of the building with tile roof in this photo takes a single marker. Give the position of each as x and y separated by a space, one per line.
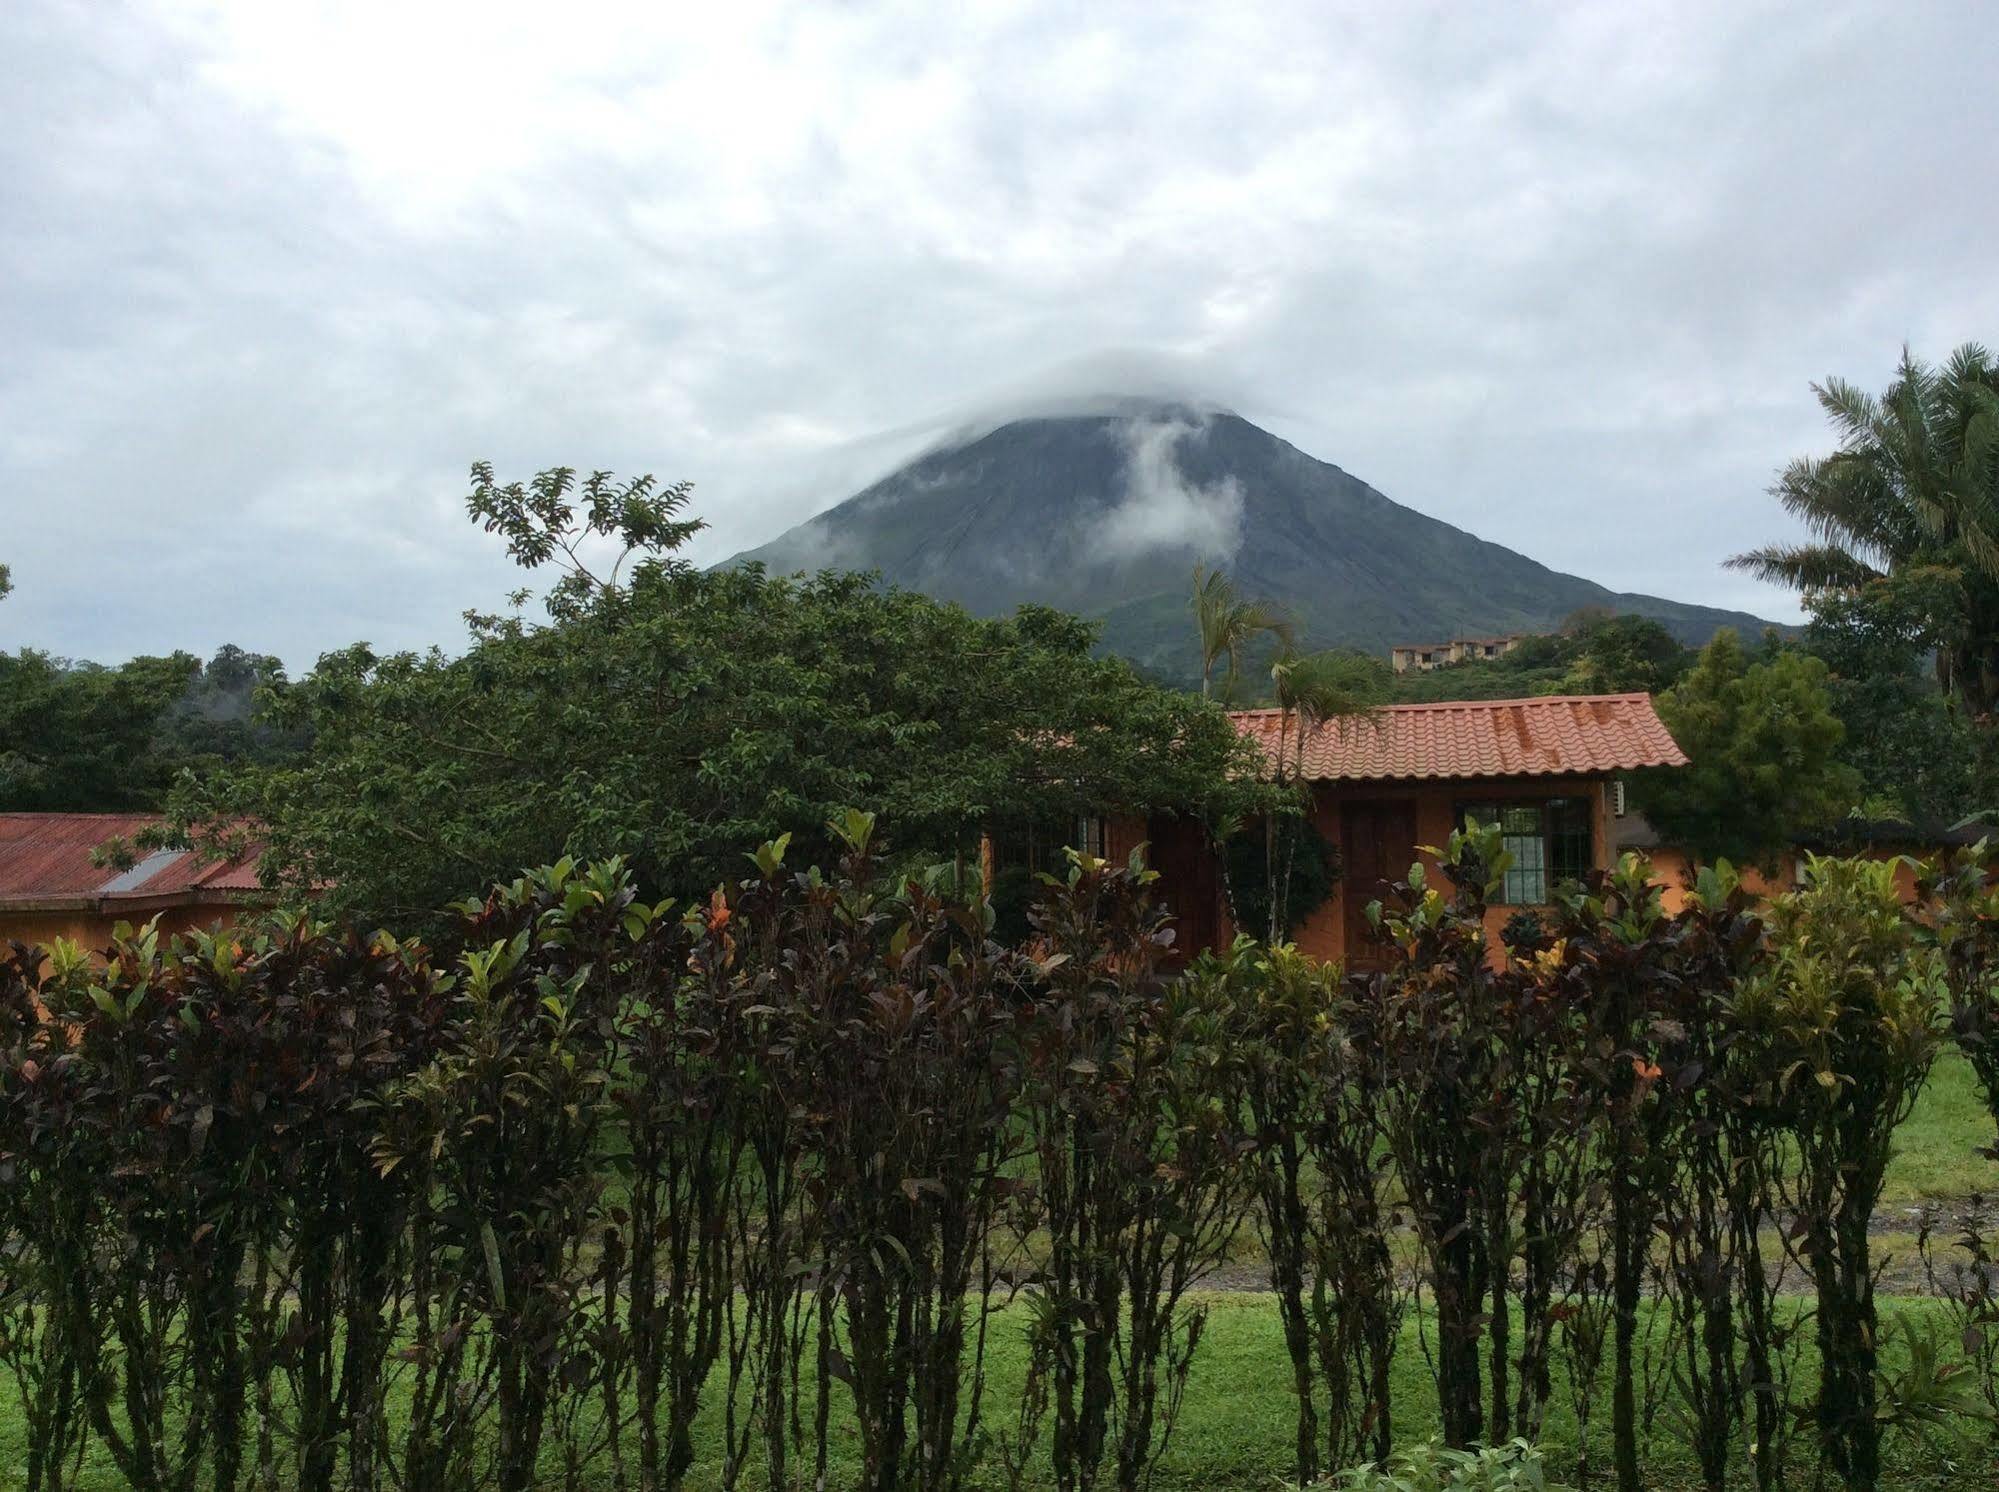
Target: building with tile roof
77 875
1548 771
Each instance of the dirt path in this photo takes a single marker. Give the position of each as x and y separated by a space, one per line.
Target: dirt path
1894 1230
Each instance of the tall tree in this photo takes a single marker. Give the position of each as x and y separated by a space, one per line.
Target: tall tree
1913 487
1228 625
673 715
1915 755
79 737
1764 747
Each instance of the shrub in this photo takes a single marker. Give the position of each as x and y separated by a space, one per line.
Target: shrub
1843 1021
1310 1094
1438 1020
1435 1467
1304 863
1140 1170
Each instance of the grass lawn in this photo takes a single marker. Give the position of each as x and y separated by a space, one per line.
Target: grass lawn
1237 1427
1936 1147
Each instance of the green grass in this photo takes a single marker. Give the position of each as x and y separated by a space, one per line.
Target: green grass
1236 1427
1936 1149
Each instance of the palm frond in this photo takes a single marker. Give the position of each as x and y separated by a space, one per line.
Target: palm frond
1805 567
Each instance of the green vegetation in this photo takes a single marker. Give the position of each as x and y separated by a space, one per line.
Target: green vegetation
1228 625
1908 507
1938 1148
1235 1429
80 737
1913 752
814 1173
1594 652
1764 747
1902 573
672 715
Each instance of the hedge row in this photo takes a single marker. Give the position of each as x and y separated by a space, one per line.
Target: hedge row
293 1207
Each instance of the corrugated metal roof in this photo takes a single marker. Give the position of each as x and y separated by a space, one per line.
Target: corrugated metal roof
47 855
1552 736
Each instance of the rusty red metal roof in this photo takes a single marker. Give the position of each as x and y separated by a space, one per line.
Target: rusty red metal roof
45 860
1553 736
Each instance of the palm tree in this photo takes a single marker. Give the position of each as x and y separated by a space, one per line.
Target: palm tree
1311 689
1228 624
1911 496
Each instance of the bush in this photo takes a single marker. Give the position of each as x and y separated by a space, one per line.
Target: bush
289 1207
1434 1467
1307 865
1843 1021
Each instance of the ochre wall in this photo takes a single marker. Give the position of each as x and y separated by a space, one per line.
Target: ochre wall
1672 869
93 931
1323 934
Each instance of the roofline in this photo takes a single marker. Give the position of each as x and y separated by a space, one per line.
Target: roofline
81 813
1592 774
136 901
1467 704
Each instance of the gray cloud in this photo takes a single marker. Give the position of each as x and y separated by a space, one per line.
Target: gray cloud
273 275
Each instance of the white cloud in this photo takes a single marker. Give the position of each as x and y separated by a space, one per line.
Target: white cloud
1159 507
274 274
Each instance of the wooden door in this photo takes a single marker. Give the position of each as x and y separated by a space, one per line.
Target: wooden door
1189 883
1377 846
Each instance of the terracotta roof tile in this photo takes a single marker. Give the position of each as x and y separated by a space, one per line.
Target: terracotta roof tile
1556 735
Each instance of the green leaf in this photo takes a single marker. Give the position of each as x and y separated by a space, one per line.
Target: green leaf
490 1243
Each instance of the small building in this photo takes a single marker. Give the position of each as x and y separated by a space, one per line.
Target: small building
1545 770
1421 657
57 881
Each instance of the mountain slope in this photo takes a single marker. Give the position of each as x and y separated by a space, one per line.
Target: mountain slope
1107 515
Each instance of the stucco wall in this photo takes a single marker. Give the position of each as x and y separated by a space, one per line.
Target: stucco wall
1324 933
94 931
1673 868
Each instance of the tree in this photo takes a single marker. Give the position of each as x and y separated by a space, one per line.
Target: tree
673 715
1844 1022
1624 654
6 581
1913 487
1913 754
1764 746
1228 625
79 737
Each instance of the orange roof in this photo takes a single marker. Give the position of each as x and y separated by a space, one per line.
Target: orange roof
1553 736
45 862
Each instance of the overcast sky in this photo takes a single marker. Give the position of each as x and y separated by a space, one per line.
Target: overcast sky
273 273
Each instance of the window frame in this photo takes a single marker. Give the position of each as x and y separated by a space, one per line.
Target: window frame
1040 847
1558 848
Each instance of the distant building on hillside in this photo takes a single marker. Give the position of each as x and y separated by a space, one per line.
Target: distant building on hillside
1421 657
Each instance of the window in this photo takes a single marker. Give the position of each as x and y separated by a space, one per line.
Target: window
1039 847
1549 839
1090 836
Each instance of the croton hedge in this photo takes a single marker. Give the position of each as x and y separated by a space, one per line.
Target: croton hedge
290 1206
